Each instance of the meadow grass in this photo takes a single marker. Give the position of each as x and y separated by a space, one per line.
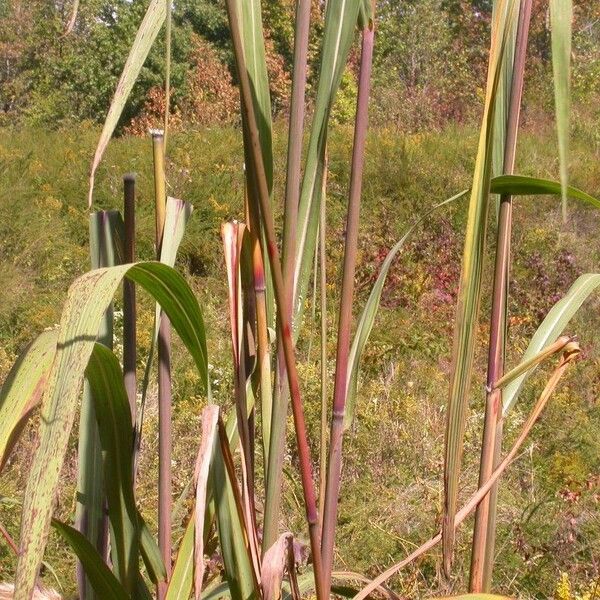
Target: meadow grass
548 516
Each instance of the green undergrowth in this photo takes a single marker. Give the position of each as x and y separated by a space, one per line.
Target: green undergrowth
549 521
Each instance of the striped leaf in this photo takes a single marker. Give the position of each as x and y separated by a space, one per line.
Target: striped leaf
253 40
23 388
86 304
561 18
340 22
144 38
470 284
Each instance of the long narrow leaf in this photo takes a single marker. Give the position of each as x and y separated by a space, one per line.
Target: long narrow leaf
367 318
470 286
520 185
530 363
551 327
253 39
561 17
504 91
111 407
210 419
513 185
177 214
23 388
151 553
249 17
107 234
105 584
182 577
340 21
233 537
145 36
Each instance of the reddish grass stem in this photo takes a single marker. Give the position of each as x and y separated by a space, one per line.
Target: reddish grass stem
294 157
9 540
292 197
345 315
283 318
324 375
484 530
165 501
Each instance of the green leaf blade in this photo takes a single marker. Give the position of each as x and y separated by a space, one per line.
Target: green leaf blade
561 18
340 22
145 36
551 328
23 389
105 584
88 299
115 429
467 312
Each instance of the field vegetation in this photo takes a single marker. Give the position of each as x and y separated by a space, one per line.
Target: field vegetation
398 251
548 519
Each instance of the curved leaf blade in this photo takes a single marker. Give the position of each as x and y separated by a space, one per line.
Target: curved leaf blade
145 36
87 301
105 584
367 318
551 327
23 388
512 185
113 414
151 553
520 185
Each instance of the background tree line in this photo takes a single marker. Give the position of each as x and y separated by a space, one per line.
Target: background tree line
429 64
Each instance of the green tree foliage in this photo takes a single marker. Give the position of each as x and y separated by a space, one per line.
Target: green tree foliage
72 76
425 68
429 63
